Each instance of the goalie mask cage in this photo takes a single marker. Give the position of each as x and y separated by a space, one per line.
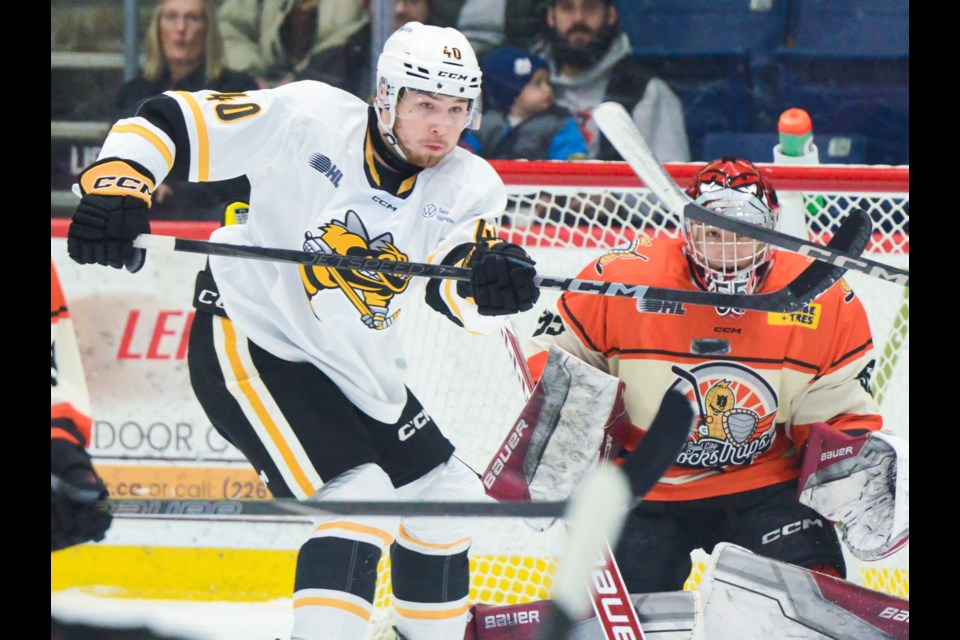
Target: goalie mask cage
566 214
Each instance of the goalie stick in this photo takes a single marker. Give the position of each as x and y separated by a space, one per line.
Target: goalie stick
603 554
811 282
644 467
618 126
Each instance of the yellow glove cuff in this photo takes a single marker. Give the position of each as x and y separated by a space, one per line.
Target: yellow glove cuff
116 178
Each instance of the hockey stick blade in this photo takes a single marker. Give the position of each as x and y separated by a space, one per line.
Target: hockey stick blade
617 125
781 301
660 445
656 452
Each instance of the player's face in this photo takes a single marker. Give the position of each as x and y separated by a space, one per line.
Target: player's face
428 125
724 250
580 21
183 31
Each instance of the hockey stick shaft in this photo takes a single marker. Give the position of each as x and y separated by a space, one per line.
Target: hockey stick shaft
782 301
279 507
618 126
645 471
645 466
603 554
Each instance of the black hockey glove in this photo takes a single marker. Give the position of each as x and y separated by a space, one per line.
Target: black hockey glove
77 514
502 280
111 214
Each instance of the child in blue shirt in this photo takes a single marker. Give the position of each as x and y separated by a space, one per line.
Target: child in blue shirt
521 120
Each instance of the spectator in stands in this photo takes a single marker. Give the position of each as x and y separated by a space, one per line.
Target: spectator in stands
591 62
279 41
412 11
485 23
521 120
184 52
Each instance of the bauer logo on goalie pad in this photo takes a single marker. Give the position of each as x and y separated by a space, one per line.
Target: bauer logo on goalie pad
574 418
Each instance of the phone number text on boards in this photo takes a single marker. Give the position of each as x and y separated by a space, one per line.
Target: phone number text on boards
231 488
180 437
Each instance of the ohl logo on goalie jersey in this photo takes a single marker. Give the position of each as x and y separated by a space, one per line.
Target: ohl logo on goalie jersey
369 292
737 410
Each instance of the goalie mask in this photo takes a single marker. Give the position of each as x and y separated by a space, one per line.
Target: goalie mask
723 261
421 58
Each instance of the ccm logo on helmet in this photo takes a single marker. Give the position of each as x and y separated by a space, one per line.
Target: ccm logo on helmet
452 75
122 182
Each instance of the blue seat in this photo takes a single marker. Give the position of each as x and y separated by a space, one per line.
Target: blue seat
848 66
715 93
850 28
709 52
758 147
703 27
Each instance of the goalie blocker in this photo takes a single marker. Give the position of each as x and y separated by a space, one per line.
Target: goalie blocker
861 483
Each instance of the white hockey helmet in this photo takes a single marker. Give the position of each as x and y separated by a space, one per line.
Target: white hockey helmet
427 58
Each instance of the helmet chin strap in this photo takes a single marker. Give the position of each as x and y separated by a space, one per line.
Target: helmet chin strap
387 146
393 145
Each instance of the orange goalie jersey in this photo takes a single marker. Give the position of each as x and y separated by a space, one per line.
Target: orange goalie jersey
758 380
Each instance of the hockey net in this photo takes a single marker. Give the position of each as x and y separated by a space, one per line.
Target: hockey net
567 213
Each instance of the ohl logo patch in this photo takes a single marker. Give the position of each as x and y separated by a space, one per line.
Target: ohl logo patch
626 252
325 165
737 408
369 292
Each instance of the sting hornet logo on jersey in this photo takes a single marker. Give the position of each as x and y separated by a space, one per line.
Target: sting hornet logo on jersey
737 411
623 252
369 292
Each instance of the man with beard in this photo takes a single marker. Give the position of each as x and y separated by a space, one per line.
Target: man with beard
591 62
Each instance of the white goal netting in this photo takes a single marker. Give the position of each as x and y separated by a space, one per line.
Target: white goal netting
566 214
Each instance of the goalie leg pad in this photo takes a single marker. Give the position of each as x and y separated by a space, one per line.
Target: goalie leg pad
750 597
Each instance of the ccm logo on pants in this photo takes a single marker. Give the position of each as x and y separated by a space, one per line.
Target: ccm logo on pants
791 528
409 429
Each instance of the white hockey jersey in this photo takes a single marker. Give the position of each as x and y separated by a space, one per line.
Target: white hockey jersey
314 186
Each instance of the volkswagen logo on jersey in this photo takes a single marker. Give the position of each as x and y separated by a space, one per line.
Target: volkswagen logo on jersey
436 212
737 407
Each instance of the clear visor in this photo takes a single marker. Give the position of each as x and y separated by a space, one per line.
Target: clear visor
441 109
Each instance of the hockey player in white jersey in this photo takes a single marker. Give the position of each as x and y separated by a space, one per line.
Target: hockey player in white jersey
301 367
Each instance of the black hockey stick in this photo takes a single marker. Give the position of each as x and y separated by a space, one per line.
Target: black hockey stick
618 126
644 467
793 297
647 462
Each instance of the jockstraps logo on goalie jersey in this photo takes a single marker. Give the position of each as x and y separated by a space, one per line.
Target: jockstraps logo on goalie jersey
623 252
368 291
325 165
737 410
